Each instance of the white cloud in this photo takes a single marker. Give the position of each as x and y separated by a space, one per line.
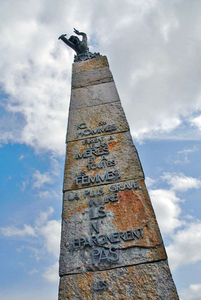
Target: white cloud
196 122
14 231
46 233
180 182
44 216
186 245
184 232
18 292
157 42
37 252
149 181
167 209
183 155
157 107
51 233
24 185
35 78
32 272
52 273
193 293
41 178
49 177
50 193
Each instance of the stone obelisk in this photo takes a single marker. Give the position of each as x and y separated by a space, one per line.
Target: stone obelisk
111 246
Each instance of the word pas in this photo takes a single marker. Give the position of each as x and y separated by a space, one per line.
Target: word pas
103 255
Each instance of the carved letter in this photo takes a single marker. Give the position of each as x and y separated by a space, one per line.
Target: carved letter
94 227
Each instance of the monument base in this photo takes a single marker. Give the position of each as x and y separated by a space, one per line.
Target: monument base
144 281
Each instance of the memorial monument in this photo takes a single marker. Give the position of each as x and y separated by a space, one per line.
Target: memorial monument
111 246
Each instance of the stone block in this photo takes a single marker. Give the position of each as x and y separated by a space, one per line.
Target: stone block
94 95
98 219
106 154
96 120
91 64
91 77
142 282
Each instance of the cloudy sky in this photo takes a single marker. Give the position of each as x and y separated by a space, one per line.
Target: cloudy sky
153 47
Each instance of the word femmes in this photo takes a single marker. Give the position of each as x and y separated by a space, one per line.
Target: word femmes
84 179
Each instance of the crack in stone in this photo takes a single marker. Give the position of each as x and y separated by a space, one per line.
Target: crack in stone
113 268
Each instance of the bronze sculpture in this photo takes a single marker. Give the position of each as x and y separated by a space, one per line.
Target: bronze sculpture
80 47
75 43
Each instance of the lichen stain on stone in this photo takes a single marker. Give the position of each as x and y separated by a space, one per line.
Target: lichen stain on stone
71 158
85 284
87 65
131 213
129 206
128 283
112 144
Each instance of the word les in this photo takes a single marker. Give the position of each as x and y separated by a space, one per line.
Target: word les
100 285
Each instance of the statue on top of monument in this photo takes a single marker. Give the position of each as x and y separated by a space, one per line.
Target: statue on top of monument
75 43
80 47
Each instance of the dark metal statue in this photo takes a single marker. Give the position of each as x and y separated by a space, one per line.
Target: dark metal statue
80 47
75 43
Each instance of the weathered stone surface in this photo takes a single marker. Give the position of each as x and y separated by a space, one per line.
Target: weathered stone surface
125 210
94 63
112 152
109 230
91 77
111 114
94 95
142 282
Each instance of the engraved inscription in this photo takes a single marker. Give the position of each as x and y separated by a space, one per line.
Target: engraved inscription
96 154
105 239
83 179
101 255
88 131
100 285
99 192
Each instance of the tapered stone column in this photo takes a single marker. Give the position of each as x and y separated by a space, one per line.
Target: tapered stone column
111 246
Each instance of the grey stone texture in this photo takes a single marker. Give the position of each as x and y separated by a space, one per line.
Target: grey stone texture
121 151
133 203
111 113
92 64
150 281
91 77
91 72
94 95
